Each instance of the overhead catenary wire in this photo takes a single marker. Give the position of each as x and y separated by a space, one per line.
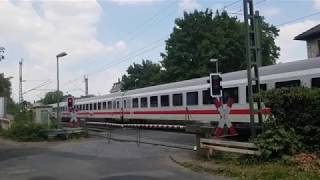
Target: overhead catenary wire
299 18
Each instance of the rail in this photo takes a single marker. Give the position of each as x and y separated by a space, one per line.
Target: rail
230 146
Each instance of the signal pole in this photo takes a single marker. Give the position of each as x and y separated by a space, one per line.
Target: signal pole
86 85
20 82
253 56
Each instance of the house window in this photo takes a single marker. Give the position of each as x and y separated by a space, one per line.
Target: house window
118 105
287 84
154 101
177 99
206 97
192 98
144 102
135 102
232 93
164 100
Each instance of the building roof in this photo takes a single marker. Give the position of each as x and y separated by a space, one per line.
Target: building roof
309 34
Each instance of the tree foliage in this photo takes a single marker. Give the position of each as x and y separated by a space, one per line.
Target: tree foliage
141 75
5 86
197 37
202 35
52 97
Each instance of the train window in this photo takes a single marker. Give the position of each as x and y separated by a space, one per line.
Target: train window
99 105
177 99
104 105
118 105
95 106
87 106
90 107
109 105
206 97
154 101
315 82
164 100
232 93
124 103
114 104
287 84
144 102
192 98
135 102
263 87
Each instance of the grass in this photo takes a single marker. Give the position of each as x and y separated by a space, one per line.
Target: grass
240 167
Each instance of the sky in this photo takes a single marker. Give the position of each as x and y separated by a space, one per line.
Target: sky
102 38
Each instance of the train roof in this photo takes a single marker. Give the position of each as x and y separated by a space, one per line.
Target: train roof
265 70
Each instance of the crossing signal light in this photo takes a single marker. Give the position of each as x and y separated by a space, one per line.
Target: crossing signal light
215 85
70 102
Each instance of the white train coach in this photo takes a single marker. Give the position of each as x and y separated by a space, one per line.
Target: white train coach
190 100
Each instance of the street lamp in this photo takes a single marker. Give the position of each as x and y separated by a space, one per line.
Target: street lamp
217 65
58 101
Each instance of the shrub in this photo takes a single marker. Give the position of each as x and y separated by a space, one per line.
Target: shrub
295 111
23 129
275 143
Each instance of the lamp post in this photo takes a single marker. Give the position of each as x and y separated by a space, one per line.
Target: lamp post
217 65
58 101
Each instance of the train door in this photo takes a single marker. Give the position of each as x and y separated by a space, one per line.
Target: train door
118 109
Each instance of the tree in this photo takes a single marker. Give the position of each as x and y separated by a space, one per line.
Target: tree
51 97
5 86
141 75
200 36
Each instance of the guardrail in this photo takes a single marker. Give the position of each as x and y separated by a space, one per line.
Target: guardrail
230 146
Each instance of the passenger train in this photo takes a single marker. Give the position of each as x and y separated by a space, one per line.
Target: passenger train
190 100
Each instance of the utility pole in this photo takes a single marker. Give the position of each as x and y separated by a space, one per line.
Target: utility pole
253 56
20 82
86 85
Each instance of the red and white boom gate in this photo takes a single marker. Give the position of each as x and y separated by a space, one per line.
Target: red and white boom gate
224 111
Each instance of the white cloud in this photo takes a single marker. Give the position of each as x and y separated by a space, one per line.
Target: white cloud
316 4
189 5
270 11
292 49
133 2
40 33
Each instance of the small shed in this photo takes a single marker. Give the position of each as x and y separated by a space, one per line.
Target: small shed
41 113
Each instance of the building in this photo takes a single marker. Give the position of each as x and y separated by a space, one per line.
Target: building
116 87
312 37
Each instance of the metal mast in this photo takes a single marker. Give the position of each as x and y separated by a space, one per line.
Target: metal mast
86 85
20 82
253 56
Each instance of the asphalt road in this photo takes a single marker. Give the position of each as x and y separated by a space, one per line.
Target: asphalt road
96 159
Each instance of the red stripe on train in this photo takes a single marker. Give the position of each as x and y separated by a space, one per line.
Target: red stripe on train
176 112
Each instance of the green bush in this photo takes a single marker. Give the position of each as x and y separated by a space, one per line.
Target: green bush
296 111
275 143
24 129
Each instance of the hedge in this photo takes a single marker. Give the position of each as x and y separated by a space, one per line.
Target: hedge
296 109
